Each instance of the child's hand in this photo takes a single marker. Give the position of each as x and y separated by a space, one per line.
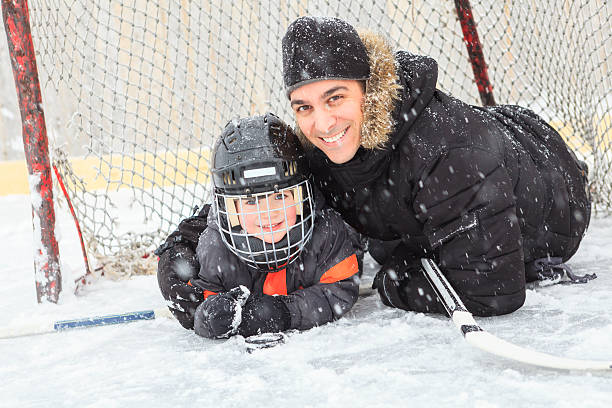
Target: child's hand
220 315
264 314
177 266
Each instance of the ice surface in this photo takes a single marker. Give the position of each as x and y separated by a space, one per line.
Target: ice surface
374 357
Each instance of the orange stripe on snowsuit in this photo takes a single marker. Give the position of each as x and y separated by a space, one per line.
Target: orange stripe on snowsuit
342 270
207 293
276 283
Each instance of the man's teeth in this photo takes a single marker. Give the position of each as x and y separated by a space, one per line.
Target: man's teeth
335 138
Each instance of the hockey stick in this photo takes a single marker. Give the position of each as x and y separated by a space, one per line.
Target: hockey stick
479 338
61 325
86 322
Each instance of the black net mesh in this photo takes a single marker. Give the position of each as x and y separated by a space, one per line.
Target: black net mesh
136 90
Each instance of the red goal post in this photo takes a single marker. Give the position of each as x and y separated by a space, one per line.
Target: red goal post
135 91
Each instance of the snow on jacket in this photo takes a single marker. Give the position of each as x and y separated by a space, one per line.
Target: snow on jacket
483 191
318 287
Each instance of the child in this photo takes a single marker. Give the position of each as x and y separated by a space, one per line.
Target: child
272 257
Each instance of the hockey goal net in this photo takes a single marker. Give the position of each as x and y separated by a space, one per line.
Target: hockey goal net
135 91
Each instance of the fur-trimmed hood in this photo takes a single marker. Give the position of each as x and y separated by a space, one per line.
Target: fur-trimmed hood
382 93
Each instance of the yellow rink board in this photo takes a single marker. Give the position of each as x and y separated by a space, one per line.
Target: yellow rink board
14 177
187 167
603 141
144 171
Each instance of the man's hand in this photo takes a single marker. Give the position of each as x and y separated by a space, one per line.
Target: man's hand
220 315
401 283
389 285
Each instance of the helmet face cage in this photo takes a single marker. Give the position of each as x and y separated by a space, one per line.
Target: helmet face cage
267 230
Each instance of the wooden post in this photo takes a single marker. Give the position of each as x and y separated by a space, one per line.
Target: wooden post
472 42
21 50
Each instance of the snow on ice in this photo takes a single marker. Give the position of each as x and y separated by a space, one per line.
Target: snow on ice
374 357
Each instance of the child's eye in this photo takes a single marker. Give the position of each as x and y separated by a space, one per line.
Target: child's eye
280 196
249 201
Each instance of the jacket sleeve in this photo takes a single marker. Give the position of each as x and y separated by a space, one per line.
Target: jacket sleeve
219 268
467 207
334 255
178 265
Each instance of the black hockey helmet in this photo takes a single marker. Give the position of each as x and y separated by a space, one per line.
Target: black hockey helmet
257 154
264 200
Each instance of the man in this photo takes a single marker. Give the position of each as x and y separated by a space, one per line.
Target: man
493 194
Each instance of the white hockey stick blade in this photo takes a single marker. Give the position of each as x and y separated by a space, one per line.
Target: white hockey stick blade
82 323
485 341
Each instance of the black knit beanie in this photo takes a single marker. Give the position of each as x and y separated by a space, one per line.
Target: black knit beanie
317 48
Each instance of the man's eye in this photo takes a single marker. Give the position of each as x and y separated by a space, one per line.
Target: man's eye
280 196
249 201
302 108
334 98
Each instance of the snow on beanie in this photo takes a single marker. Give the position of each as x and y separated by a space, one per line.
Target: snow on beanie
318 48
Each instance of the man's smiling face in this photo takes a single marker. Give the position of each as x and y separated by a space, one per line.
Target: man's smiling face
330 114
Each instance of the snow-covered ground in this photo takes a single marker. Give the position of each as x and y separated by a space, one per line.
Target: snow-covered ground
374 357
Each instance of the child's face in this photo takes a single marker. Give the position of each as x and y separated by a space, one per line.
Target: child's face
268 216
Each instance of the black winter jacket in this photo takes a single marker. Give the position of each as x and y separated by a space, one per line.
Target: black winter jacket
483 191
318 287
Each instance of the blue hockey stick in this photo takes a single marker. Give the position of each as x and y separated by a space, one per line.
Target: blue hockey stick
86 322
82 323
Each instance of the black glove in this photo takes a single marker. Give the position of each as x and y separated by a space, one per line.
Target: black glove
219 315
380 251
401 283
178 265
389 285
264 314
